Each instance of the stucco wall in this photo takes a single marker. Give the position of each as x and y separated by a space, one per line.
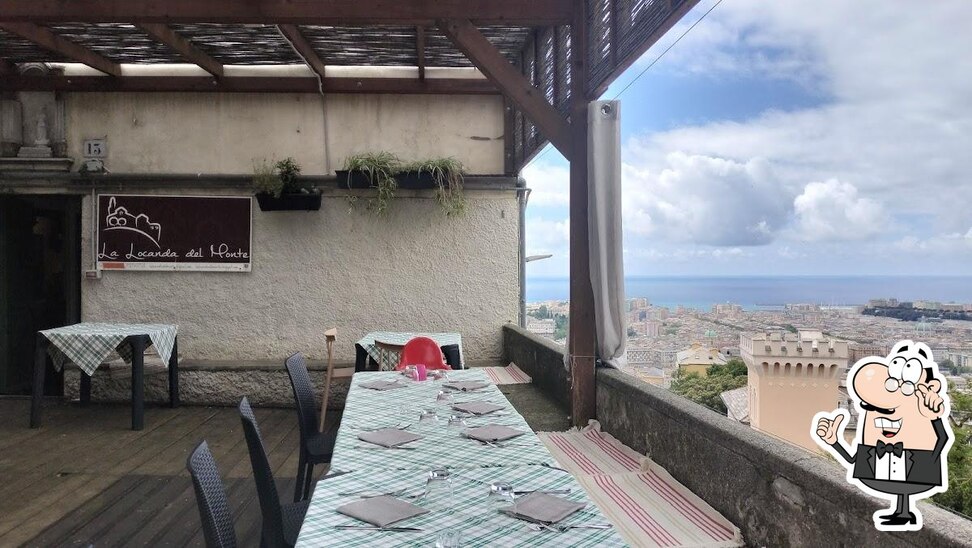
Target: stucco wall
227 132
412 270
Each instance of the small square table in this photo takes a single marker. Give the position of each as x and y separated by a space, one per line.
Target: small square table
87 345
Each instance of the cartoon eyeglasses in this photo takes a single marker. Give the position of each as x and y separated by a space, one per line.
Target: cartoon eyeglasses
903 374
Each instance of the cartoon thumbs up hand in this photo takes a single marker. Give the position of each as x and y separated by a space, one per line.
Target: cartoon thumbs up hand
828 428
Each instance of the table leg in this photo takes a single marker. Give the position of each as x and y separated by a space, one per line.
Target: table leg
174 374
37 392
85 388
138 381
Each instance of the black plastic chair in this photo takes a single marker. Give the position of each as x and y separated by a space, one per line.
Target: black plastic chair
315 447
452 356
281 523
214 510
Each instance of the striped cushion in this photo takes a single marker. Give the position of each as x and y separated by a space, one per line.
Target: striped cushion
510 374
647 506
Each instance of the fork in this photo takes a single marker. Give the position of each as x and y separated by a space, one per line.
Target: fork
376 528
564 528
371 494
383 447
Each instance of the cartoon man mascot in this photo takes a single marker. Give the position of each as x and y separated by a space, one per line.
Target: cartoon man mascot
903 435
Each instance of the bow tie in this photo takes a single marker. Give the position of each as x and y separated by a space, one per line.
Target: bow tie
885 448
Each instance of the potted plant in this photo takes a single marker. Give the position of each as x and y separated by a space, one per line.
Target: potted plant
445 175
372 170
278 187
384 172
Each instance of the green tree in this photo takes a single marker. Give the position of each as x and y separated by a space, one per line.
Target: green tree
948 366
707 390
542 313
734 367
959 494
632 332
560 326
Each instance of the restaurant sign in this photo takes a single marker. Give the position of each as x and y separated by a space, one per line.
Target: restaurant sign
198 233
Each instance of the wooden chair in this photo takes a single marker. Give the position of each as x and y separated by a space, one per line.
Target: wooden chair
329 337
389 355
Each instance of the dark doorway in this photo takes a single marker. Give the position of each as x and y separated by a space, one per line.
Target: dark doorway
40 280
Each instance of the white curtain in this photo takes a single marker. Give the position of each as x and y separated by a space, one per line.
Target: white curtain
604 226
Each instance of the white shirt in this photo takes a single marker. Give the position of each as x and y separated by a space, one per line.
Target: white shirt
890 467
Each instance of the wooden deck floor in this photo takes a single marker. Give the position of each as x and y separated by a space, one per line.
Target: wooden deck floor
84 478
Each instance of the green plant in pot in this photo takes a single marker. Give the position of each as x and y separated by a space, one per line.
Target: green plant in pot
447 177
278 187
379 168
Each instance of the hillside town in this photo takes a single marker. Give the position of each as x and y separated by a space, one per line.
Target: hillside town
666 344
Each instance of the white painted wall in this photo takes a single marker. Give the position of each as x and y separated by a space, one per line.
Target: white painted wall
413 270
227 132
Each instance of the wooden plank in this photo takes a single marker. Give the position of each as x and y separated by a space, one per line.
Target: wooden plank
622 64
297 12
304 48
169 37
511 82
249 84
582 332
48 40
420 50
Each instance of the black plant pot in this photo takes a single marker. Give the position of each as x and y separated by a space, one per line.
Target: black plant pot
415 180
353 179
289 202
411 180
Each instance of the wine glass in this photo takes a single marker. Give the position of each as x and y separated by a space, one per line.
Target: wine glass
450 538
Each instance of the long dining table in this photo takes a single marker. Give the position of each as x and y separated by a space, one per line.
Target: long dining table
522 462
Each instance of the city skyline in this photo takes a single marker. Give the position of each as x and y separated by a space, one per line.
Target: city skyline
764 142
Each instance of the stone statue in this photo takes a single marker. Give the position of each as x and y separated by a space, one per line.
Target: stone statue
41 138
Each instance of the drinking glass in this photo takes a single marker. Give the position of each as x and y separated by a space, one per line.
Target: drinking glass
457 421
444 397
438 490
450 538
500 495
411 372
428 416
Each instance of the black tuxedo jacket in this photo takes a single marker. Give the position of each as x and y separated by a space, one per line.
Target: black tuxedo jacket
921 466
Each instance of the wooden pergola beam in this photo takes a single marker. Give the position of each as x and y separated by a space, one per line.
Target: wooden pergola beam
48 40
250 84
296 12
420 50
169 37
510 81
303 47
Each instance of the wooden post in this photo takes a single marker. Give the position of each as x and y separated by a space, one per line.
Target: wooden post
329 337
581 337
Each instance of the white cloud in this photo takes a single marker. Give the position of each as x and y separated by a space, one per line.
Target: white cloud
549 184
547 236
704 200
833 211
898 123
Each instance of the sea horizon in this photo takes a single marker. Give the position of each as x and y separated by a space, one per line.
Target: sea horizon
759 291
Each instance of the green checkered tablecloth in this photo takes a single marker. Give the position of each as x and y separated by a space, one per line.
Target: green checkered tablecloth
442 339
441 446
88 345
470 511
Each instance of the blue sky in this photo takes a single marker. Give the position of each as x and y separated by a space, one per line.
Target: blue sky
790 137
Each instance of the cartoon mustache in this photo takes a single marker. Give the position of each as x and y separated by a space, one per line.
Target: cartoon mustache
868 407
